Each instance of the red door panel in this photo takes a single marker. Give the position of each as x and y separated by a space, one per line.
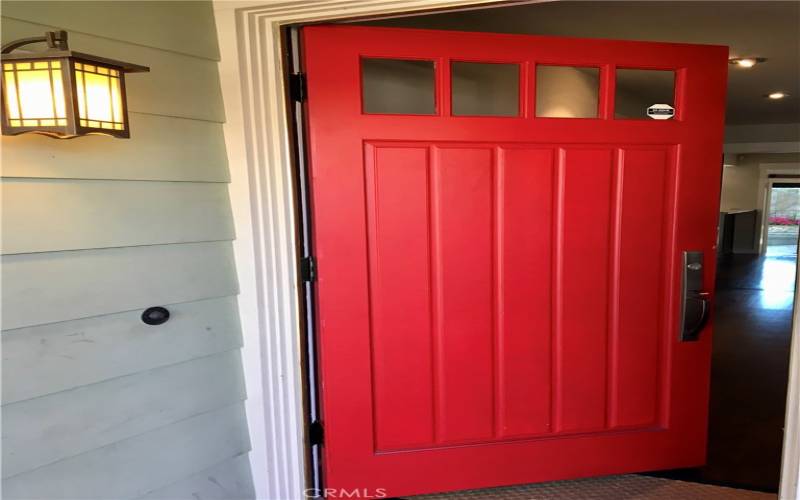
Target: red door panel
524 307
637 263
462 242
498 297
582 270
398 286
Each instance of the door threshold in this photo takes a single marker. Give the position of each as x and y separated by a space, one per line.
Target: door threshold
628 486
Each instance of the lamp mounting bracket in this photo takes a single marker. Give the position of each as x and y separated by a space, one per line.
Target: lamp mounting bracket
55 40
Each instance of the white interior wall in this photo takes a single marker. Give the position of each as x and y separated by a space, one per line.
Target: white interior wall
740 181
766 132
740 185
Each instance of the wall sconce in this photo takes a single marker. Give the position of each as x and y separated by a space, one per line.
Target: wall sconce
62 93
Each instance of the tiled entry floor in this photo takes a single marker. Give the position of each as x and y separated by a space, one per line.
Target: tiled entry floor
627 487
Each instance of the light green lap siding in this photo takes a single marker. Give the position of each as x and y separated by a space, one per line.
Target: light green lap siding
95 403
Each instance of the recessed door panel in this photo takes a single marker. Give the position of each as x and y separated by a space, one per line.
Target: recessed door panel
524 305
585 177
400 294
462 231
638 249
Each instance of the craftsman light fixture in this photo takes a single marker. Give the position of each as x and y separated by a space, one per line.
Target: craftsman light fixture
62 93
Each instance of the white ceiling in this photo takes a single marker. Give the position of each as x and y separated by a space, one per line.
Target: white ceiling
768 29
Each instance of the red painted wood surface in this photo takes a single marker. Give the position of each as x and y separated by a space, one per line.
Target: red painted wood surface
498 296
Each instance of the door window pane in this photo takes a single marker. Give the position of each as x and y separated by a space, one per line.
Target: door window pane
567 91
485 89
638 89
397 86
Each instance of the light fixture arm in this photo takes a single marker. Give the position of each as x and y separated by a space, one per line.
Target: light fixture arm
56 40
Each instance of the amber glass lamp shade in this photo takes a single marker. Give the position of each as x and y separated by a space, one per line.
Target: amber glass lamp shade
62 93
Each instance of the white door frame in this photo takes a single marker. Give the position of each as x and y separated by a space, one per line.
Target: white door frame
262 196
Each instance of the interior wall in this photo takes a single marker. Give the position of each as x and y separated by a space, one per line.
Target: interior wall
740 181
740 185
96 404
766 132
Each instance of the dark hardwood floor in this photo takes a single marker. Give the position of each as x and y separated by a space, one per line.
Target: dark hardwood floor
750 366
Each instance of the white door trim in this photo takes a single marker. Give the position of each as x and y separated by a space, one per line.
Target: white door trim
262 196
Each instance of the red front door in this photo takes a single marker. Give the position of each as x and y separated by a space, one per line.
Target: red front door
499 284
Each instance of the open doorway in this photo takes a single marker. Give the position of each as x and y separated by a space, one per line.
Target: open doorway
783 218
753 324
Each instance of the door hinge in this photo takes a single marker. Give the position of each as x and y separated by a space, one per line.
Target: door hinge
308 269
297 86
316 433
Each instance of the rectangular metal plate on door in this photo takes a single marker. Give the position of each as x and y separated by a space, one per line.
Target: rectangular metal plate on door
695 306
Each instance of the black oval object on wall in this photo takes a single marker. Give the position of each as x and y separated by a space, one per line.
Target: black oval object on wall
155 315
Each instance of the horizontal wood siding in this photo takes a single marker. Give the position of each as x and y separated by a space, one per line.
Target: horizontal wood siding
132 467
195 152
50 358
178 26
177 85
68 214
41 288
95 403
120 408
229 480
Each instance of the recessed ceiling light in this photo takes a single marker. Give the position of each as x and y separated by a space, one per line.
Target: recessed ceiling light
777 95
746 62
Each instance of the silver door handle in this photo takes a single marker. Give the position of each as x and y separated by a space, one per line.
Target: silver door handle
691 331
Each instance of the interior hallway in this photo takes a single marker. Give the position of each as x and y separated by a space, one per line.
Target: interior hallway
750 366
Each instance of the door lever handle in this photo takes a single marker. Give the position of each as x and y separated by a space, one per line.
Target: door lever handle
693 331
